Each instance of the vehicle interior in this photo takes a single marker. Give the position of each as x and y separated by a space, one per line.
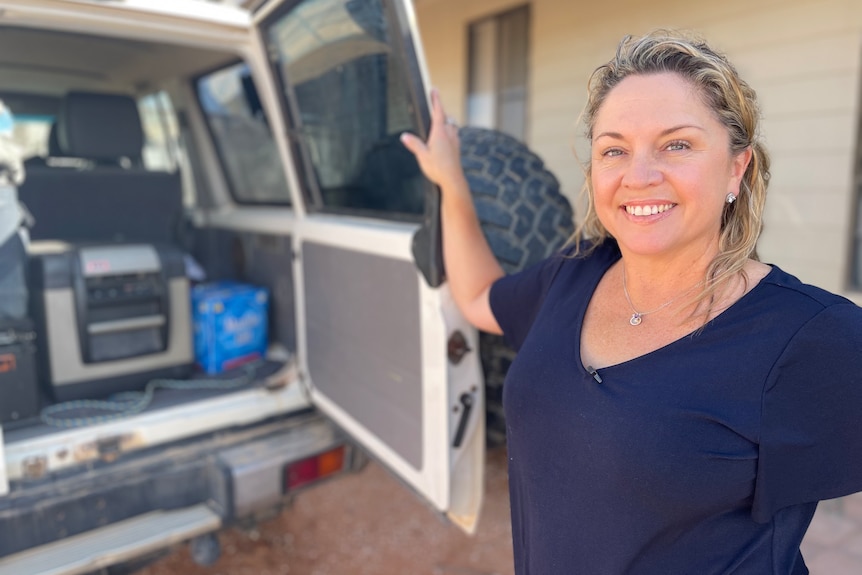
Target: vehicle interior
89 142
129 142
107 129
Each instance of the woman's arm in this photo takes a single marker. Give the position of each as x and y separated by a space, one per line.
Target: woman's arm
471 267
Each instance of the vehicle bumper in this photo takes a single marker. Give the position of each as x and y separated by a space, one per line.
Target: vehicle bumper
202 484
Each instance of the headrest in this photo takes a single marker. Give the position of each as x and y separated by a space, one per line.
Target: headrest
100 126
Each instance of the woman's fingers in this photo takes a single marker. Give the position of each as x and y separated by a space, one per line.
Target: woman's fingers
414 144
439 156
438 113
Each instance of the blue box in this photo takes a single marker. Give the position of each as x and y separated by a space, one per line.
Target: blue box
230 324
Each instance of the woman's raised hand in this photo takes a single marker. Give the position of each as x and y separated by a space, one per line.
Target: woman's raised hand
471 267
439 157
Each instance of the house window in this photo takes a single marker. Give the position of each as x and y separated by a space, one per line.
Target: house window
497 88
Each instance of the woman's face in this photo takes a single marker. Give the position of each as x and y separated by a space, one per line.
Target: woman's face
662 167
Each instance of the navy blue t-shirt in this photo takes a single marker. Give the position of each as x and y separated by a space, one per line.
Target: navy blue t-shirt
706 456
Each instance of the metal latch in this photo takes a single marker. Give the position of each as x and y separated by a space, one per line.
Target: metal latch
457 347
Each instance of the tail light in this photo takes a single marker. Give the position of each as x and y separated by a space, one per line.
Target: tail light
313 468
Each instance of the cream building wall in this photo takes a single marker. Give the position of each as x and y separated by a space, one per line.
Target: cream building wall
803 57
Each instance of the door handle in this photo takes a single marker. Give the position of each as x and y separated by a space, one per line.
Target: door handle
467 402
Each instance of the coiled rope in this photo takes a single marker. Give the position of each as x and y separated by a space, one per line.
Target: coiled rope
126 404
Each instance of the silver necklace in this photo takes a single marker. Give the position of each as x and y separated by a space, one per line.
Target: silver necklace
637 317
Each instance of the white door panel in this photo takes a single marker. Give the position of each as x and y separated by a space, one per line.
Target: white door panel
369 236
376 357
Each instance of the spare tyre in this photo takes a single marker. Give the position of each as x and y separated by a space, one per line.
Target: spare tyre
525 219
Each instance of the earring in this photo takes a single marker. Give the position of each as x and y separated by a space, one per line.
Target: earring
730 198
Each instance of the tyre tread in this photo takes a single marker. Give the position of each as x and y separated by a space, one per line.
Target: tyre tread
525 219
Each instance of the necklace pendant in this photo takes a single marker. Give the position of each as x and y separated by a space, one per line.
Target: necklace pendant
636 319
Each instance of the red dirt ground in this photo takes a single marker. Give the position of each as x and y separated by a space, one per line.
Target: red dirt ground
365 524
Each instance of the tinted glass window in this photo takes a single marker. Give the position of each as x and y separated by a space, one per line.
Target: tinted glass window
349 103
242 136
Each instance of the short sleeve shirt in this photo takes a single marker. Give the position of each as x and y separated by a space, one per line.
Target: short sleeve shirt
706 456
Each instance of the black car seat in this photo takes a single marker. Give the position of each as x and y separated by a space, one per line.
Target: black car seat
111 196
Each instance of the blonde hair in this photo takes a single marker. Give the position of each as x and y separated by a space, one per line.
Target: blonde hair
735 105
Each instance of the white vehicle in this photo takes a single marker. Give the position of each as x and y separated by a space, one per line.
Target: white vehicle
168 141
238 139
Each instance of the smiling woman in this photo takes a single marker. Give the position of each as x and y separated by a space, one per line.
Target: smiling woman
661 172
662 157
700 91
676 406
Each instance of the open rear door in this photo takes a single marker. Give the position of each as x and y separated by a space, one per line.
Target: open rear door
382 348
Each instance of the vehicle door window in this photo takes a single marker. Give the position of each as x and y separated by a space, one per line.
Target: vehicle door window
161 134
31 134
242 136
344 84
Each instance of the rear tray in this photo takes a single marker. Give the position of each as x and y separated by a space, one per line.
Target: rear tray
38 449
